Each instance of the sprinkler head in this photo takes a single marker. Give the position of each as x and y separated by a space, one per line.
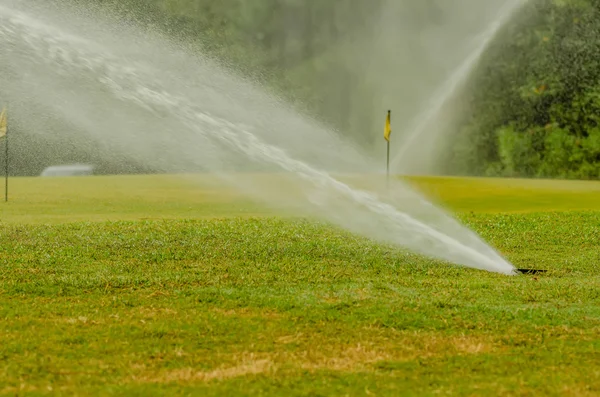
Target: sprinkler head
530 271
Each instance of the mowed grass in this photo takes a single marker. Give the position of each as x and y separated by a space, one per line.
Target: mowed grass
157 285
152 197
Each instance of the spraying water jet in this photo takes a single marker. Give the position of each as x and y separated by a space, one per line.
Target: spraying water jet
127 93
440 98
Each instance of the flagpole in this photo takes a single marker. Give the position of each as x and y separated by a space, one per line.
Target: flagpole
387 182
388 163
6 158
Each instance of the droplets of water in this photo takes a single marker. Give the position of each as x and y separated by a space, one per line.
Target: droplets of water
170 117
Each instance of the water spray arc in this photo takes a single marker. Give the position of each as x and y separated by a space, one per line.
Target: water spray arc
443 95
115 90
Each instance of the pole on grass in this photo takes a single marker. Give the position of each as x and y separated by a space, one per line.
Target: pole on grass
386 135
4 134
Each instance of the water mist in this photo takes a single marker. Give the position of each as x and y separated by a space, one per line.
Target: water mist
423 125
127 92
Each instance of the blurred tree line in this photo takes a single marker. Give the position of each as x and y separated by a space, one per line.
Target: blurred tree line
533 107
530 109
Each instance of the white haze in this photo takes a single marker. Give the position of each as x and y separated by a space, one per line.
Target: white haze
414 60
428 123
130 94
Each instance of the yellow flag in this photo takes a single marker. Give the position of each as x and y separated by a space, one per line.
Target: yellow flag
3 127
388 127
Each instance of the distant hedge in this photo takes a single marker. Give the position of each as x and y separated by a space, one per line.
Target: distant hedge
534 104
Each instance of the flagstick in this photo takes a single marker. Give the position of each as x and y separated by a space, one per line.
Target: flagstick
387 182
388 164
6 159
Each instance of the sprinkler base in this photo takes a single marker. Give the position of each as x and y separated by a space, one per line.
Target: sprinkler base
530 271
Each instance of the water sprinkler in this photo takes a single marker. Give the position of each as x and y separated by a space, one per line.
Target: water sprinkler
530 271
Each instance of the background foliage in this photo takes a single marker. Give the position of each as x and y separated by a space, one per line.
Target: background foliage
530 109
534 102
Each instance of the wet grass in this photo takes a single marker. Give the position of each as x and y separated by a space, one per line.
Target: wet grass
143 197
226 302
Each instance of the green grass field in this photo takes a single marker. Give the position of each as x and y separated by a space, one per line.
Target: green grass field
161 285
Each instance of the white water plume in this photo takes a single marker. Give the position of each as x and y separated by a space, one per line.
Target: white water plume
422 126
132 94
